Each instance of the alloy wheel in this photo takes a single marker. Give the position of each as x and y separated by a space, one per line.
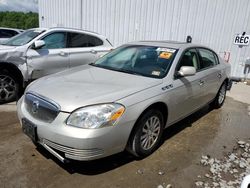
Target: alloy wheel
150 132
7 88
222 94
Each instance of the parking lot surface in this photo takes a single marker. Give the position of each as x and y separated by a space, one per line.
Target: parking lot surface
212 133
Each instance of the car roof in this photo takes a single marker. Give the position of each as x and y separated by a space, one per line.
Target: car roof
70 29
166 44
73 29
13 29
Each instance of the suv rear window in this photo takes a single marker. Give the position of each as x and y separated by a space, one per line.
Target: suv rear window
78 40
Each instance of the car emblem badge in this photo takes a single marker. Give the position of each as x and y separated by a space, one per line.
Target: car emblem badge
35 107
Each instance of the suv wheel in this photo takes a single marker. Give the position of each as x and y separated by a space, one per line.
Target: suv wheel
8 87
146 137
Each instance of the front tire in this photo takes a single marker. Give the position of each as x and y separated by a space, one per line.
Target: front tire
9 87
147 134
220 97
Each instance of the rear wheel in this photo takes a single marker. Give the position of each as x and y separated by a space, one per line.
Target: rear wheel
220 97
147 134
9 87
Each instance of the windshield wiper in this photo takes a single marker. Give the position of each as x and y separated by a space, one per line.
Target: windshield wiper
129 72
115 69
97 65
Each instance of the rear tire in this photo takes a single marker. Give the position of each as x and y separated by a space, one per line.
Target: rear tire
146 136
9 87
220 97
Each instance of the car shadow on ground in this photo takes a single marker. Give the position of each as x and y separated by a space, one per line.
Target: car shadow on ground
112 162
187 122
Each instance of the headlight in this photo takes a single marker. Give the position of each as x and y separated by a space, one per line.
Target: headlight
96 116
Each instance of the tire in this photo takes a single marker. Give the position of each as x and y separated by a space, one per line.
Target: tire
229 85
220 97
146 136
9 87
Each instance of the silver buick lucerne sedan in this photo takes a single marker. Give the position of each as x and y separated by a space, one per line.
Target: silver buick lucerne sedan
122 101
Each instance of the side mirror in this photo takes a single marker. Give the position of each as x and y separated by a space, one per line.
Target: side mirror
186 71
38 44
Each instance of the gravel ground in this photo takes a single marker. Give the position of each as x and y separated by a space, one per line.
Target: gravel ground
227 172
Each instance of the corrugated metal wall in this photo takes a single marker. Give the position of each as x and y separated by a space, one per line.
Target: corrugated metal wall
57 13
212 23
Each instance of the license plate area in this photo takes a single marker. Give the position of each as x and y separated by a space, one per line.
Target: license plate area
29 129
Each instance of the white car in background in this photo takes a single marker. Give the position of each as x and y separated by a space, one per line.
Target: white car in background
39 52
6 33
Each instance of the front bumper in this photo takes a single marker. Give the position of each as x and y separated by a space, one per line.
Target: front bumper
67 142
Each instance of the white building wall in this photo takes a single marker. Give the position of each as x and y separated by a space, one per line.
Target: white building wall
57 13
209 22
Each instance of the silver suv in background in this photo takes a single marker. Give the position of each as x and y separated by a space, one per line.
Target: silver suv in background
39 52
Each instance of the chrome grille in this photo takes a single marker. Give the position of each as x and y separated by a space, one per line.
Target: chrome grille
78 154
40 108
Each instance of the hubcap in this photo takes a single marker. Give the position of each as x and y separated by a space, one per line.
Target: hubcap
222 94
150 132
7 88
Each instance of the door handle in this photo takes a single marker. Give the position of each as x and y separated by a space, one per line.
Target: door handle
62 53
219 75
201 83
93 51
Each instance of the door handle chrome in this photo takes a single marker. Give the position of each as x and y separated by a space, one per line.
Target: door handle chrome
62 53
93 51
201 82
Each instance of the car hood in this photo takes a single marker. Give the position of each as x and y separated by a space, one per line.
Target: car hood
87 85
6 48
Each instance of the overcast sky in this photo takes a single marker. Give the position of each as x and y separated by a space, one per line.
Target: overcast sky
19 5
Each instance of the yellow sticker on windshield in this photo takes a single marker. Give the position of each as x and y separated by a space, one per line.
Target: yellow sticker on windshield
165 55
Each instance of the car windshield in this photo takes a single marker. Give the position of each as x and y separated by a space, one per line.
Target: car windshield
149 61
23 38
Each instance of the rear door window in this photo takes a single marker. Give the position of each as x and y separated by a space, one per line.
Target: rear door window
94 41
79 40
207 57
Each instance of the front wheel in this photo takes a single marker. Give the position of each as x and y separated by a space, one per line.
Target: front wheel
9 87
220 97
147 134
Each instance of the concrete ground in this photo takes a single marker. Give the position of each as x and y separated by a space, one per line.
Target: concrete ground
212 133
240 92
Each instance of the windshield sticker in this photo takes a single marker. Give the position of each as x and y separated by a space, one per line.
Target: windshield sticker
166 50
165 55
156 73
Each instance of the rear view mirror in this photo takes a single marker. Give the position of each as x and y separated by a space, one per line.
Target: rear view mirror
186 71
38 44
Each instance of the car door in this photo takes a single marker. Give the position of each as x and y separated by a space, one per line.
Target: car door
84 48
212 74
187 92
51 58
